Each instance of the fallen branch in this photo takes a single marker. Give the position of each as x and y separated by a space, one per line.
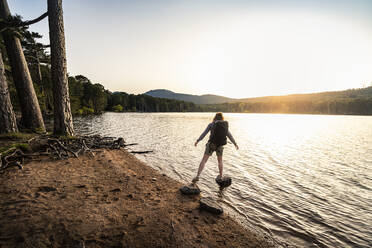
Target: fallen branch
131 144
29 141
63 147
140 152
9 160
86 148
11 155
118 143
20 166
7 151
56 148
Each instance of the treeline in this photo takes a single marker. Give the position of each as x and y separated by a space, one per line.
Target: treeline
345 106
89 98
92 98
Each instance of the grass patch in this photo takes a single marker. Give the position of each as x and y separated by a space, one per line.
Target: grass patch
17 136
16 140
66 137
24 147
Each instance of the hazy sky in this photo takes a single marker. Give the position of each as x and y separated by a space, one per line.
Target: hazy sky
234 48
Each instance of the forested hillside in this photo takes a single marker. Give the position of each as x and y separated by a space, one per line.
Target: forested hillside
203 99
353 101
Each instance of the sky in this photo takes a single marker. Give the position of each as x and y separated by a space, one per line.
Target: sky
234 48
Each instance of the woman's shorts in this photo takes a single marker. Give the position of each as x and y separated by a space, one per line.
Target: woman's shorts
210 148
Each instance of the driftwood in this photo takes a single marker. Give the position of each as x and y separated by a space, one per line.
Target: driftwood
85 148
131 144
61 148
59 143
9 161
140 152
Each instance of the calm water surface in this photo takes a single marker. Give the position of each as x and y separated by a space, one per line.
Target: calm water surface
306 179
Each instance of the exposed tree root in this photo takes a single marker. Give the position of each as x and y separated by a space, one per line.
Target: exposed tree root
60 148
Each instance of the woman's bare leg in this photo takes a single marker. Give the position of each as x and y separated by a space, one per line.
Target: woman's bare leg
220 165
201 166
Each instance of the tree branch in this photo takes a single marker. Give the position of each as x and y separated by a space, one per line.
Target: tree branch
30 22
14 22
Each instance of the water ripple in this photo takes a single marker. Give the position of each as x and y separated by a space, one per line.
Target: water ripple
304 178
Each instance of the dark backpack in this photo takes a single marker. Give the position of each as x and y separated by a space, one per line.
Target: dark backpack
219 133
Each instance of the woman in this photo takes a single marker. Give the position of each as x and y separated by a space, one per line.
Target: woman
219 131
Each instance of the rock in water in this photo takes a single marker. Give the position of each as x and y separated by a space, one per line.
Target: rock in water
191 189
224 181
210 205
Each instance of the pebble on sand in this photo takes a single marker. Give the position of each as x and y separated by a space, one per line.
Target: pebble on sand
211 205
191 189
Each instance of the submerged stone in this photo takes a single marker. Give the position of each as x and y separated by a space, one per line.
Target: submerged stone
224 181
191 189
211 205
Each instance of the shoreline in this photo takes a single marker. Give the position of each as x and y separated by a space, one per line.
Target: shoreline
110 200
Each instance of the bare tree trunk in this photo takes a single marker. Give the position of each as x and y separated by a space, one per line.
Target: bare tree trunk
39 76
39 80
31 114
62 110
8 123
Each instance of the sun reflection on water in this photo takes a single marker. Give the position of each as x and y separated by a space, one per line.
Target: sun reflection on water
305 177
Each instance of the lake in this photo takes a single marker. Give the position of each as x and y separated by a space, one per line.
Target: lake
306 179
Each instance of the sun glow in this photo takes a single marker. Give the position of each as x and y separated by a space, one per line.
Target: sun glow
271 54
232 48
254 54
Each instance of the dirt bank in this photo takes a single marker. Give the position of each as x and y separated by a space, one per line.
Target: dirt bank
111 200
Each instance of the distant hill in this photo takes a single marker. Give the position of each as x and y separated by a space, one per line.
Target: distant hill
321 96
215 99
346 102
203 99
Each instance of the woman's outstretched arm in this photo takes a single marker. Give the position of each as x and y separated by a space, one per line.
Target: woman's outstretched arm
231 138
204 133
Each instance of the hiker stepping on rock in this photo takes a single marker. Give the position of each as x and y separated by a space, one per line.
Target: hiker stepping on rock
219 129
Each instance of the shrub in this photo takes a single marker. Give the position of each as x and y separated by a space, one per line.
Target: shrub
85 111
118 108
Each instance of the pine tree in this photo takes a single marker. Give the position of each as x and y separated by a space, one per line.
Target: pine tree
8 121
31 114
62 109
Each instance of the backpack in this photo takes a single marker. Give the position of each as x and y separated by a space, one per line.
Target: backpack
219 133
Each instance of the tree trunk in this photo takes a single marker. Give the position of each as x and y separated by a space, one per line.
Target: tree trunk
39 80
31 114
62 110
39 76
8 123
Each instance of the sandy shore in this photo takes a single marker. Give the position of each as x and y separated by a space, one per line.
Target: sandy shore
110 200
